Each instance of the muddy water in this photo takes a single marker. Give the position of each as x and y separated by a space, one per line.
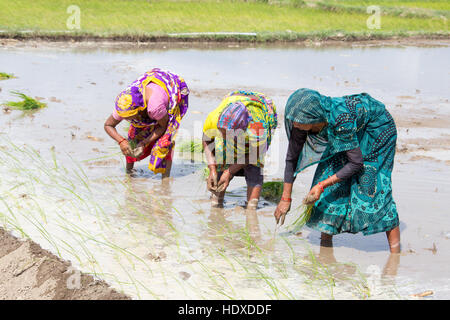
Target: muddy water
155 240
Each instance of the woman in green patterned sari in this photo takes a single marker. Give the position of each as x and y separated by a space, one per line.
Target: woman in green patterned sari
352 139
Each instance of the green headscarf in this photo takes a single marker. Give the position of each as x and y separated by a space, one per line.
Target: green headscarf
307 106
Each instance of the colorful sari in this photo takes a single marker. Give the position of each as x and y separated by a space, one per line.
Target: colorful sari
362 203
132 100
258 135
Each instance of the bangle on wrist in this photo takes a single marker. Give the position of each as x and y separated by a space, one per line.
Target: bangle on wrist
121 141
321 186
286 199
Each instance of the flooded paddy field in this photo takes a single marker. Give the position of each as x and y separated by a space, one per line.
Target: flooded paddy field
63 182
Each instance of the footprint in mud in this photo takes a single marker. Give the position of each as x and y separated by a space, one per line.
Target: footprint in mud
156 258
406 97
184 275
93 138
54 99
432 249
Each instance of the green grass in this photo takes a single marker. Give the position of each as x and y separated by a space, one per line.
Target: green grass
27 103
142 19
6 76
440 5
403 9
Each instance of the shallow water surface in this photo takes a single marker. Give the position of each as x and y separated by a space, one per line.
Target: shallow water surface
163 240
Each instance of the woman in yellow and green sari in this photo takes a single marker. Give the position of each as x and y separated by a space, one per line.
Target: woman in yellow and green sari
236 137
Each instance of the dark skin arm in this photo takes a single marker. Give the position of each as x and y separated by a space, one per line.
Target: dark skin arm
211 161
284 205
110 128
227 175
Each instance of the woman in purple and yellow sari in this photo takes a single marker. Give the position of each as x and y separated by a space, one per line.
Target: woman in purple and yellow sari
154 105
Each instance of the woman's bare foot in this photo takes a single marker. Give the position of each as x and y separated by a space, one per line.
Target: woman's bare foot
129 168
391 267
252 204
217 200
326 240
393 237
166 174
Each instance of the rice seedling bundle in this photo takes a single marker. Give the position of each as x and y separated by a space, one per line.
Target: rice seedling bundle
132 143
26 104
6 76
205 172
135 151
306 208
192 146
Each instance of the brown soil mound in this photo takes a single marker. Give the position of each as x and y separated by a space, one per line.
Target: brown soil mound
29 272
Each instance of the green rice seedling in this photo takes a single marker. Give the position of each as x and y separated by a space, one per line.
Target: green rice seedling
205 172
190 150
6 76
269 281
7 223
27 103
307 208
216 284
272 190
227 259
132 143
294 256
192 146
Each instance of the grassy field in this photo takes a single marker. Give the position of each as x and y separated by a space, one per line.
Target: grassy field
436 5
285 19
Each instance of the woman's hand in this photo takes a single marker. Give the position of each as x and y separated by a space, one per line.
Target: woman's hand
281 211
224 181
125 148
316 191
211 182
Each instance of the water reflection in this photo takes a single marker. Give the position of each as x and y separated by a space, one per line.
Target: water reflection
149 205
376 279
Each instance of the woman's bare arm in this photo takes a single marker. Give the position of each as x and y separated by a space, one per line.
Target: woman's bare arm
208 145
110 128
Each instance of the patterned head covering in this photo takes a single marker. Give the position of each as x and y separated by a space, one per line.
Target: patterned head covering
304 106
235 116
130 101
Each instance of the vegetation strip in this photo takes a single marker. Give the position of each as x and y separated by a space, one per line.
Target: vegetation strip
258 21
